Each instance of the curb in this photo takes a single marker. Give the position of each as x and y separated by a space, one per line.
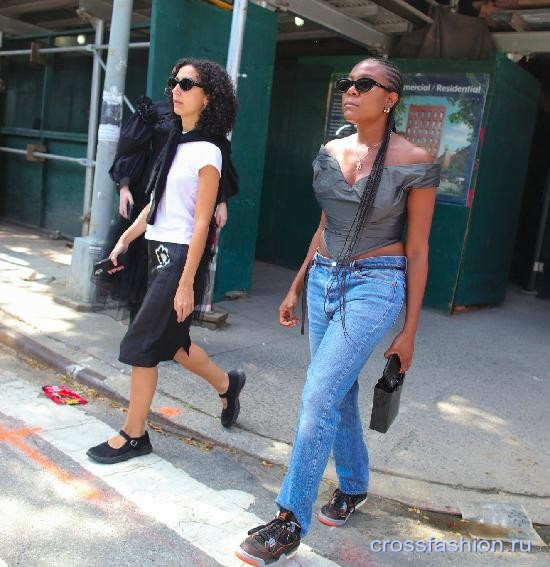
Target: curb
81 374
89 378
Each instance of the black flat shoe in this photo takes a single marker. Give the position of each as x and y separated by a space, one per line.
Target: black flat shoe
237 379
134 447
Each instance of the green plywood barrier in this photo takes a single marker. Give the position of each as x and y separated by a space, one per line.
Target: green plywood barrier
289 213
63 190
495 211
470 247
21 101
195 28
53 190
21 184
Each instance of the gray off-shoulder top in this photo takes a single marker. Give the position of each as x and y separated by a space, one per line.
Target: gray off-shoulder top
339 201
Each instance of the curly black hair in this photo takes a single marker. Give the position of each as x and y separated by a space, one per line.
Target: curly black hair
218 117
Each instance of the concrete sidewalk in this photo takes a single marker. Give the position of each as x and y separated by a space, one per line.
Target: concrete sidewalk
473 425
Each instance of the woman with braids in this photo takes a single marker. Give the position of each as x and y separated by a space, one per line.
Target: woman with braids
194 166
359 274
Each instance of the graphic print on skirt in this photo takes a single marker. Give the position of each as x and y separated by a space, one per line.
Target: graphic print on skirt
162 255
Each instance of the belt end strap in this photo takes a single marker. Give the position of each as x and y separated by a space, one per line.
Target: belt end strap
304 299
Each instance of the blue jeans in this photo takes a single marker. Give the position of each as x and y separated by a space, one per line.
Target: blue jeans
329 416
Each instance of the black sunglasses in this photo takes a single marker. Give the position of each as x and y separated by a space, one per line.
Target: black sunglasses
186 84
363 85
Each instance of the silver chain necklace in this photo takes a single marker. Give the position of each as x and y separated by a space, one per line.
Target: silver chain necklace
359 162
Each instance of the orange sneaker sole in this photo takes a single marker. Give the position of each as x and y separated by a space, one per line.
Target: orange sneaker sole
247 560
323 520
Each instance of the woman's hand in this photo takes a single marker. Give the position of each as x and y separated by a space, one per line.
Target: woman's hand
126 201
221 215
403 346
120 248
184 301
287 310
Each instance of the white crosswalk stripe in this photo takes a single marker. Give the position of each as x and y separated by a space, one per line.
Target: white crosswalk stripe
211 520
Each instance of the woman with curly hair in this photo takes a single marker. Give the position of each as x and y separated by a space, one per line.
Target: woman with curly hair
194 166
357 273
141 140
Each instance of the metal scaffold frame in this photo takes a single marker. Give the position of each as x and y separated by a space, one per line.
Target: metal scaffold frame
89 161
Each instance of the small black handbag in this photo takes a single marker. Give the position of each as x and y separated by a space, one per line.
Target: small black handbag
387 393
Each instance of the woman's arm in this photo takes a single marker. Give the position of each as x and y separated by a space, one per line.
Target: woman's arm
209 179
287 309
126 201
420 208
137 228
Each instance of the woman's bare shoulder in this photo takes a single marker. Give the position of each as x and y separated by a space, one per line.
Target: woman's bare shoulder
407 153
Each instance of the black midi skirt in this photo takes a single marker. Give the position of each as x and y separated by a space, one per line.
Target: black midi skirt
154 334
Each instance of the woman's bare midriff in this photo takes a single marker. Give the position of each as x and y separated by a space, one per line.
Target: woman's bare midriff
395 249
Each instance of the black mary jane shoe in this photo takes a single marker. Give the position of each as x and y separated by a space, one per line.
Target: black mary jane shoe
134 447
237 379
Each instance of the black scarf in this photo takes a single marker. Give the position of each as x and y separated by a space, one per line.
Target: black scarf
229 180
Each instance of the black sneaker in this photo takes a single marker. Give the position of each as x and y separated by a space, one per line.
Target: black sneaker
271 543
237 379
340 508
134 447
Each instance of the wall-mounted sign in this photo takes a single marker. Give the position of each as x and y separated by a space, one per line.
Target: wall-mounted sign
441 113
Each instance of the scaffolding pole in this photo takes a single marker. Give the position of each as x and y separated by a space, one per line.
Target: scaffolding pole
99 26
234 51
88 249
88 48
44 155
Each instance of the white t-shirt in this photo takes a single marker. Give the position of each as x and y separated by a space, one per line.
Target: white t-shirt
175 218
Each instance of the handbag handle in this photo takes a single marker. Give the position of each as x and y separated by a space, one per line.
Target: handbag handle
391 375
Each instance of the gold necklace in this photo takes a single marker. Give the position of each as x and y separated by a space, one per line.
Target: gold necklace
359 162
